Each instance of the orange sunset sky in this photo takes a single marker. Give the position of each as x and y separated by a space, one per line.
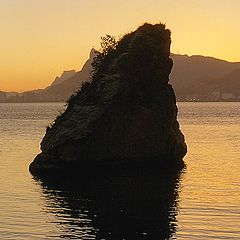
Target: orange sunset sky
40 39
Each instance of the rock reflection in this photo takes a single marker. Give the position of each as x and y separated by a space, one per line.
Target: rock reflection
126 205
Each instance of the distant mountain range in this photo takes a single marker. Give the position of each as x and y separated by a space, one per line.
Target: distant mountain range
194 78
205 78
66 75
60 90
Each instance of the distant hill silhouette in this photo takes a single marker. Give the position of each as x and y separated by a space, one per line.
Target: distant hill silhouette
191 70
229 82
61 88
66 75
201 76
193 77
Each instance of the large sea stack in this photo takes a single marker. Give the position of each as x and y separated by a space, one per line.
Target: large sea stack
126 117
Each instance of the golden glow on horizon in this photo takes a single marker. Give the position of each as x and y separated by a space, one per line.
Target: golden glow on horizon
40 39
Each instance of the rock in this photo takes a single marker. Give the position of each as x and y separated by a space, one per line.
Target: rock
126 117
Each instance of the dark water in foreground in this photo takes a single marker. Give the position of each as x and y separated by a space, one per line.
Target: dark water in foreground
199 202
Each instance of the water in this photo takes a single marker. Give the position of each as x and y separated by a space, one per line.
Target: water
200 202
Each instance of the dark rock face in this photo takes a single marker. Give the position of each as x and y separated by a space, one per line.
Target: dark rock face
127 116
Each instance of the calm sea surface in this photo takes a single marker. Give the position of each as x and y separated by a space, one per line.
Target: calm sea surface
200 202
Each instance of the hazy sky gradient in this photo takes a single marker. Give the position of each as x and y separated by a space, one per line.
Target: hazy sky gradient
40 39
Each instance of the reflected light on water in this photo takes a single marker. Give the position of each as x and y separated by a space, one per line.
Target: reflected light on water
200 203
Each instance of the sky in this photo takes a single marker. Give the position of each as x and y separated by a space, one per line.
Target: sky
41 39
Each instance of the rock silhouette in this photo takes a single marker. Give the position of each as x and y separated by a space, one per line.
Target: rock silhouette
126 116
